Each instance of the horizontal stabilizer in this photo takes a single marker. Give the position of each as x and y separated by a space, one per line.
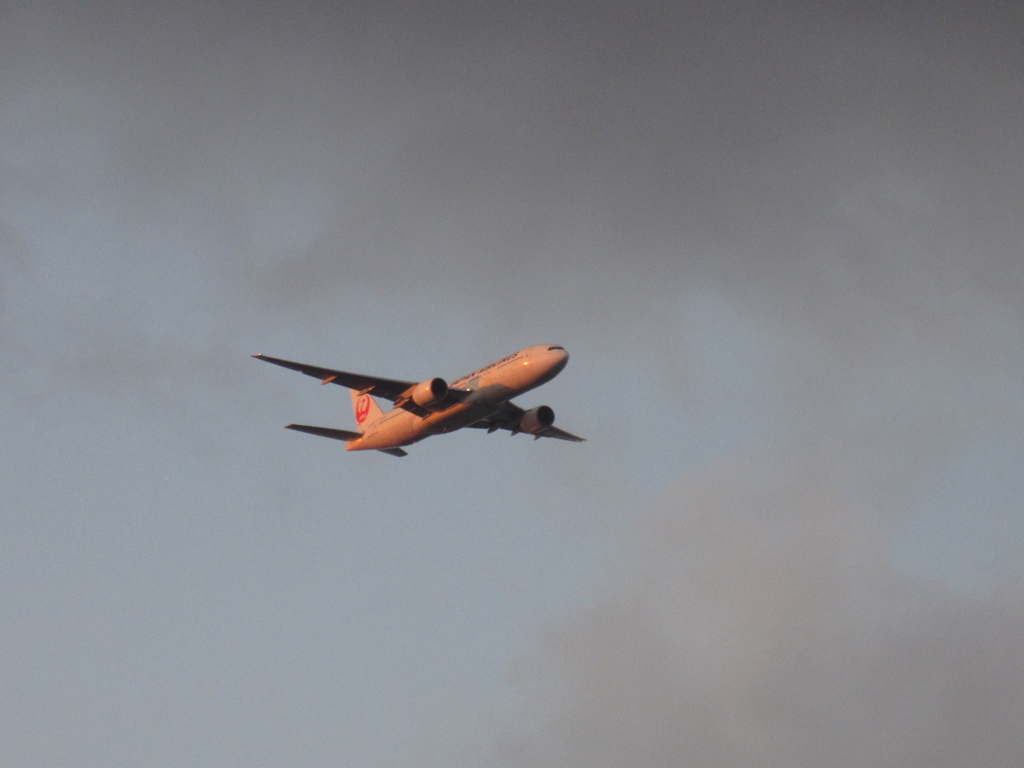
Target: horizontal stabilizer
334 434
393 451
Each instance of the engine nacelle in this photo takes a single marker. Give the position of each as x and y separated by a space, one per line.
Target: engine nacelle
429 393
536 420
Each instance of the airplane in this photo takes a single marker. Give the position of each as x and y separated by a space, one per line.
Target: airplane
481 399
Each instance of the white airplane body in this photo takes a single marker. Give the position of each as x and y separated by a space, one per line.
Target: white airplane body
480 399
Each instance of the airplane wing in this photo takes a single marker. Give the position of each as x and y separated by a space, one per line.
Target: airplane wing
508 416
561 434
398 392
389 389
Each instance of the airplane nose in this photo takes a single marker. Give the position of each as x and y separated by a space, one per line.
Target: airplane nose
559 357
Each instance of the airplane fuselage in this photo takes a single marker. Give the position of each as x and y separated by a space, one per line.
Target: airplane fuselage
489 389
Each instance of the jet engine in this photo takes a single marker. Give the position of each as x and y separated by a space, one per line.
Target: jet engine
536 420
429 393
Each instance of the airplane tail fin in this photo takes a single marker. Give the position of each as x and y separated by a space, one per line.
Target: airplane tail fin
365 409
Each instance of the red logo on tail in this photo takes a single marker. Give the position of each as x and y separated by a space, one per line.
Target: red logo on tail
362 408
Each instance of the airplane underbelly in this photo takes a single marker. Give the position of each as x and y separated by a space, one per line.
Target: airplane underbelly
394 431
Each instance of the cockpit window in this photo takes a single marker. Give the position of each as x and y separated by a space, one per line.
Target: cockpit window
551 348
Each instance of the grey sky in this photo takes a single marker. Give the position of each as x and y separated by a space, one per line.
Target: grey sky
783 246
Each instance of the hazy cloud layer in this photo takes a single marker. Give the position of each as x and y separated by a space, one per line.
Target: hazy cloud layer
760 622
798 226
853 176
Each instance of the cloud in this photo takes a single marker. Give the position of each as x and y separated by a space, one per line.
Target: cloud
847 179
759 621
843 186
